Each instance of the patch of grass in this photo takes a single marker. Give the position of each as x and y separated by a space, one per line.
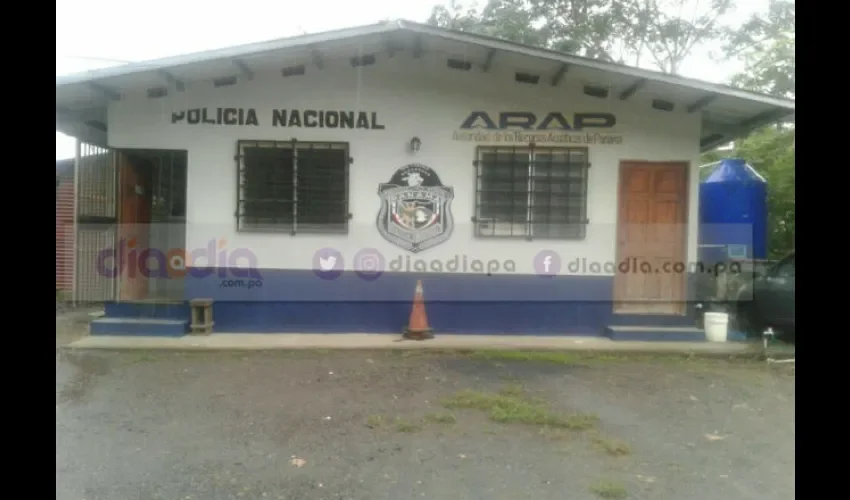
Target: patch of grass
441 418
585 358
609 490
433 353
511 406
612 447
556 357
401 425
513 390
555 434
405 426
375 421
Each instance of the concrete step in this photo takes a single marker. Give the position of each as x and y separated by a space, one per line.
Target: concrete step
655 333
147 309
653 320
149 327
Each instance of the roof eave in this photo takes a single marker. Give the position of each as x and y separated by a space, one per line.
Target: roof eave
226 53
780 109
421 29
725 136
638 73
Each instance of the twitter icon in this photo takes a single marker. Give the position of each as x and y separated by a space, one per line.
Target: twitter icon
328 264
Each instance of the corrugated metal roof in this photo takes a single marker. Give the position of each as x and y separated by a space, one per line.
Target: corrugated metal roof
727 112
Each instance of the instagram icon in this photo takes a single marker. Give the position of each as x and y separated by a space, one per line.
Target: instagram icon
369 264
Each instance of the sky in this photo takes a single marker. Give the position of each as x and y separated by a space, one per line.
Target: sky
90 36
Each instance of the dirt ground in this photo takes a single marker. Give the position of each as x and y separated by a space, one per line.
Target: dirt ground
72 323
412 424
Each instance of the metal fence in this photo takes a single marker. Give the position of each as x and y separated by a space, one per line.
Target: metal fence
95 185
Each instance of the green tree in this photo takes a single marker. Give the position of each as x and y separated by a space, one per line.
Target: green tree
766 44
771 152
623 31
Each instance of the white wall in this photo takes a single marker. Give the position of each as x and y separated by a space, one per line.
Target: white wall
430 104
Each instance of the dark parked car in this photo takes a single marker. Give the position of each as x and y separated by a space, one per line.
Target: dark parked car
769 301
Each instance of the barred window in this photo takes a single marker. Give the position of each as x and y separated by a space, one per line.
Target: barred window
293 186
531 192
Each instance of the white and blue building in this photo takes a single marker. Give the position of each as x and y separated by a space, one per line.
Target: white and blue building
306 184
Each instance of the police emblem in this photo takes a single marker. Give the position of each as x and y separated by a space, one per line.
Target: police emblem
416 209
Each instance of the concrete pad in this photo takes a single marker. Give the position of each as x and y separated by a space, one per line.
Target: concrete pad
248 341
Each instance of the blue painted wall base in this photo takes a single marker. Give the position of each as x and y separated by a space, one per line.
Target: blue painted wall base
514 318
147 310
290 301
145 327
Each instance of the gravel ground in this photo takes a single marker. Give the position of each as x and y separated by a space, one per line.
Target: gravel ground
72 323
361 425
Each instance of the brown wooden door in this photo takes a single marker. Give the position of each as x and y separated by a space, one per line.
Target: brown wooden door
651 238
134 224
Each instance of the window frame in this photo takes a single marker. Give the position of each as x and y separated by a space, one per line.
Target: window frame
530 193
294 227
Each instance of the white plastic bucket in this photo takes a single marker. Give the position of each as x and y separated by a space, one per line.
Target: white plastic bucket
716 326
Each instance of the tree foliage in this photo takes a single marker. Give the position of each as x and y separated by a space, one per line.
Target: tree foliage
771 152
624 31
766 43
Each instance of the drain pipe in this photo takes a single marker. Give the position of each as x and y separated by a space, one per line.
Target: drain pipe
768 337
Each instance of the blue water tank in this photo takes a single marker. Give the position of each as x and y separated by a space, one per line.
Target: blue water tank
733 212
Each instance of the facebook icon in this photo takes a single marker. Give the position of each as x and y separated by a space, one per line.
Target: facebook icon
547 263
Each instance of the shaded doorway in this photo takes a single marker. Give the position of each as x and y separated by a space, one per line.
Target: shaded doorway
151 224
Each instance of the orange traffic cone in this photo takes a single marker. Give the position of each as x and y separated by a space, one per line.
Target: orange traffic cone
418 328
